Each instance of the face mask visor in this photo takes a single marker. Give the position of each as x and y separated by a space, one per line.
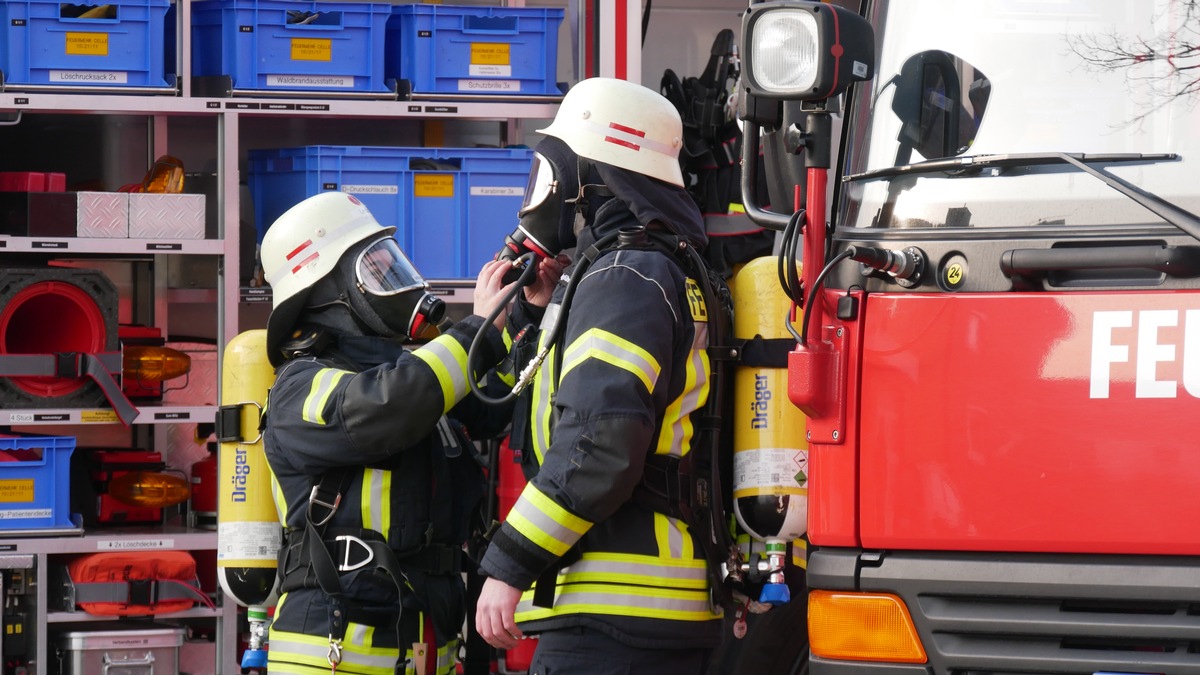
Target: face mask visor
541 186
382 269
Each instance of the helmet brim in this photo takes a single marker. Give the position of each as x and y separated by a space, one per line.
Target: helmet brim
280 324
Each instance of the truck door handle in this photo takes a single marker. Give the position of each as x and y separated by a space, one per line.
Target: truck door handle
1174 261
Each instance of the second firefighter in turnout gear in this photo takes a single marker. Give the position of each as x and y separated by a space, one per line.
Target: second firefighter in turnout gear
620 587
378 481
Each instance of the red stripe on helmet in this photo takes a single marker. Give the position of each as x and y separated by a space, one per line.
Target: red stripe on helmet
296 251
633 146
628 130
304 262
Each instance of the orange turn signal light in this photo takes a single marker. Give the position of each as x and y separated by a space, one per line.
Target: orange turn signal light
862 627
165 176
154 364
149 489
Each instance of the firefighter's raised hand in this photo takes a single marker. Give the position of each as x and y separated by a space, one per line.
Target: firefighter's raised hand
490 291
549 271
494 613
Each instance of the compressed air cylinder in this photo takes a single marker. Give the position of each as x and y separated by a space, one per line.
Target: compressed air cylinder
248 529
770 460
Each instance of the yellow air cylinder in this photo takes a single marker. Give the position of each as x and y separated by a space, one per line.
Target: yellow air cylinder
770 460
248 529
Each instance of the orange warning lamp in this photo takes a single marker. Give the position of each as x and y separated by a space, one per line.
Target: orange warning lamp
153 364
149 489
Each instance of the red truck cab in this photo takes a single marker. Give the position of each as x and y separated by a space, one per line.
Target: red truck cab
1001 361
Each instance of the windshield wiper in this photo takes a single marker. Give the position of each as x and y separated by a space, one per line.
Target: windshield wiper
970 165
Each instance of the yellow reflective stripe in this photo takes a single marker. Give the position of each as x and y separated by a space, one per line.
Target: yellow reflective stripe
637 570
672 537
800 553
448 361
622 600
281 505
296 652
540 520
376 503
318 395
543 394
599 344
446 660
675 434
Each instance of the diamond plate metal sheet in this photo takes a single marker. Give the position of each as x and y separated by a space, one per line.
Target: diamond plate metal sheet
102 214
157 216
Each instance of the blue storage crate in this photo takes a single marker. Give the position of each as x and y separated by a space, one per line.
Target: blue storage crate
35 482
284 45
451 207
474 50
59 44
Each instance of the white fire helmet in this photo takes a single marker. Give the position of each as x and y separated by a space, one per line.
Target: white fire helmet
623 124
303 246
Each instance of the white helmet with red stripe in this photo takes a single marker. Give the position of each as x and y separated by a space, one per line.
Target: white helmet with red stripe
303 246
623 124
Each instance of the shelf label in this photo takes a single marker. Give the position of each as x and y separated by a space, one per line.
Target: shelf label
133 544
279 106
25 513
177 415
320 107
327 81
17 490
441 109
86 44
89 76
511 86
98 416
164 247
433 185
376 189
496 191
49 244
241 105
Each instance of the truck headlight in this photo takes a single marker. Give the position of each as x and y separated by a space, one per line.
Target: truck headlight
805 50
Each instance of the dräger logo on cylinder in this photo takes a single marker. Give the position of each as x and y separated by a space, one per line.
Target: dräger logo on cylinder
762 398
241 474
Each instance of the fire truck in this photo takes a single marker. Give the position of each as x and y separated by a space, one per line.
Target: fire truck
990 235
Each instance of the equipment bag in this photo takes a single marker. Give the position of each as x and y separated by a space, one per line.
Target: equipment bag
130 583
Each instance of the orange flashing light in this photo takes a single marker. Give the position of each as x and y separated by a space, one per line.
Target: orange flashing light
154 364
862 627
149 489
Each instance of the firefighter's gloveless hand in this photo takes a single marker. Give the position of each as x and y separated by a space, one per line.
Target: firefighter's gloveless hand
491 291
549 271
494 614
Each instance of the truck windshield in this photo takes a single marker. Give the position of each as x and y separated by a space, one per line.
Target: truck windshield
1114 79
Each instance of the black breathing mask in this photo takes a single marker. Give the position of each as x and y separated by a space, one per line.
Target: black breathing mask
391 299
547 212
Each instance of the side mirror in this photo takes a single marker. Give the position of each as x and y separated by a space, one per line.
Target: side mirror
940 100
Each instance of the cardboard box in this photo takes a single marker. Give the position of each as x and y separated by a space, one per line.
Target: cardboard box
166 216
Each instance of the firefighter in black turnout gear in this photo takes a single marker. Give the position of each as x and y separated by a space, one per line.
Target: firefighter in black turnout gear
621 585
378 482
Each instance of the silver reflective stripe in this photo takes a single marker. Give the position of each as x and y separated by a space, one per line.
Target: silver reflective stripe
448 360
676 433
376 500
531 518
542 394
314 651
691 574
322 387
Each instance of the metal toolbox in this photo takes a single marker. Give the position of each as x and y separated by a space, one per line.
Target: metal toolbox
134 652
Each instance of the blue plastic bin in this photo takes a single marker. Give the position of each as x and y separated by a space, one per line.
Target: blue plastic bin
35 482
283 45
474 50
56 44
451 207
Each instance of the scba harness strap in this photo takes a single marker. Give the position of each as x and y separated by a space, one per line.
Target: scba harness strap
690 488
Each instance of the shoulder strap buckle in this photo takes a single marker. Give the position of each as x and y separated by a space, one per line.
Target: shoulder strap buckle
314 500
350 545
